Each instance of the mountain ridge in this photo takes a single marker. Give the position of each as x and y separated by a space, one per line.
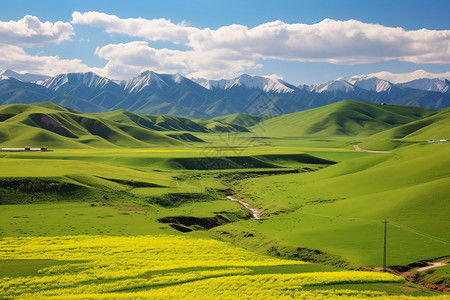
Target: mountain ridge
151 93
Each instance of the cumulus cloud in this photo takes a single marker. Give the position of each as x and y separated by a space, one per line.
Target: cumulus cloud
15 58
406 77
152 30
30 31
129 59
235 48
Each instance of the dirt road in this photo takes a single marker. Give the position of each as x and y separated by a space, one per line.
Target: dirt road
432 265
370 151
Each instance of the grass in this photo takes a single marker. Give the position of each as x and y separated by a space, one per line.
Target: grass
345 118
344 205
440 275
95 184
173 267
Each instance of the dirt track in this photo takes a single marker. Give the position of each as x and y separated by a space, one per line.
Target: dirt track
411 276
432 265
370 151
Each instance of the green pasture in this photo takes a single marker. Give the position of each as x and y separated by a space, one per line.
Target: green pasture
320 200
339 209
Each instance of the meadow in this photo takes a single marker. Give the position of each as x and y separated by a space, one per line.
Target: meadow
174 267
93 218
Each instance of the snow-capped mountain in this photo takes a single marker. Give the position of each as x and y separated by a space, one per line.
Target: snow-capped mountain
350 84
268 85
425 84
151 79
27 77
89 80
370 83
90 87
332 86
153 93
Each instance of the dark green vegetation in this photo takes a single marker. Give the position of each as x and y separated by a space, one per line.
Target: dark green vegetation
119 173
59 127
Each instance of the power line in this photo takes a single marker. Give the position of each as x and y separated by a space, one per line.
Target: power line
423 234
415 231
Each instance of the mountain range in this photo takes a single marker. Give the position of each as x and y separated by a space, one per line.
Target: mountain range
153 93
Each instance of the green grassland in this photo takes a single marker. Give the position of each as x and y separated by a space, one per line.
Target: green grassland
121 174
344 205
176 267
345 118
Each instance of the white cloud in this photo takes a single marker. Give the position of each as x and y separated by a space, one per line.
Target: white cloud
128 59
30 31
151 30
15 58
406 77
236 48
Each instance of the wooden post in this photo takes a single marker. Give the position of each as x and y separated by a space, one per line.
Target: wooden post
384 254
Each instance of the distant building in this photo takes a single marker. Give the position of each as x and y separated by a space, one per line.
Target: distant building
26 148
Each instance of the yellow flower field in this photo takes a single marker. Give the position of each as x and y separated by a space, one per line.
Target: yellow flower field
169 267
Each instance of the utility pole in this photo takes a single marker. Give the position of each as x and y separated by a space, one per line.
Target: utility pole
384 255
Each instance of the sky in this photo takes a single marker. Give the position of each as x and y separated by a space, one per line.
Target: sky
301 42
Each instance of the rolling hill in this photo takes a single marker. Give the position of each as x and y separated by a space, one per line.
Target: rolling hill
241 119
435 127
52 125
55 126
339 209
345 118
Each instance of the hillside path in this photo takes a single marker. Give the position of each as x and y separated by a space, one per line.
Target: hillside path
432 265
254 211
370 151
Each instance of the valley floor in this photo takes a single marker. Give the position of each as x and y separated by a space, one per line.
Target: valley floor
250 214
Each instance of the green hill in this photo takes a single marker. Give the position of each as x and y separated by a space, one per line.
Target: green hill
154 122
219 126
434 127
339 209
345 118
55 126
241 119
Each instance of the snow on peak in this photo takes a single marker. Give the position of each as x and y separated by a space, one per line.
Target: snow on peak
89 79
138 83
370 83
3 77
333 86
177 78
27 77
150 78
426 84
248 81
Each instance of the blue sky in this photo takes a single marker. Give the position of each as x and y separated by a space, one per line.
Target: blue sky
91 44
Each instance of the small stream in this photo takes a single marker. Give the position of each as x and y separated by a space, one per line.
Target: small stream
254 211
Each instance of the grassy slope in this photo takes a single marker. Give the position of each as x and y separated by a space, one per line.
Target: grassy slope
345 118
434 127
155 122
242 119
339 209
54 127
